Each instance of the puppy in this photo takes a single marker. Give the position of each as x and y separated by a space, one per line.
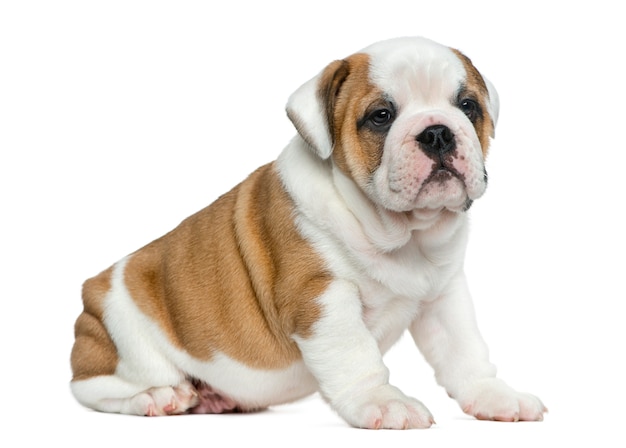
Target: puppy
303 275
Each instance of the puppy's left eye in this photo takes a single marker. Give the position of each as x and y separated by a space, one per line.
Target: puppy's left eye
470 108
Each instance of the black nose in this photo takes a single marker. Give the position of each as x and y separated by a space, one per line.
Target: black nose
437 140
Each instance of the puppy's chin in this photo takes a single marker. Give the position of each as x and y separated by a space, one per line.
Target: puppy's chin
442 191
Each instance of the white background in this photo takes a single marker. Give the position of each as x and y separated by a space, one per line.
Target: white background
120 118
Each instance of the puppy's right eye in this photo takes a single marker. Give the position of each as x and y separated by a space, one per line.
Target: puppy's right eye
381 117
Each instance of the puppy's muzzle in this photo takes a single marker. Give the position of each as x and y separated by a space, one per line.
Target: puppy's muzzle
437 141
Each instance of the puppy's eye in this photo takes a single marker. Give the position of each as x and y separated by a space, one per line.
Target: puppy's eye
470 108
381 117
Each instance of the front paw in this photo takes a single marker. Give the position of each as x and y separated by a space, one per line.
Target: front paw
385 407
493 399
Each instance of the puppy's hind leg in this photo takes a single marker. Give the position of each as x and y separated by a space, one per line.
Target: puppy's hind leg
134 378
97 383
113 394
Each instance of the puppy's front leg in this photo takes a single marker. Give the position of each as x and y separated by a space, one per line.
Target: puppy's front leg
447 335
346 361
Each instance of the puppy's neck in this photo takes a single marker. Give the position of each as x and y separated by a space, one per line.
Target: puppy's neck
389 230
328 197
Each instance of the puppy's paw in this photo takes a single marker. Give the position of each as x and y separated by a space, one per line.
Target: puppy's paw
162 401
493 399
385 407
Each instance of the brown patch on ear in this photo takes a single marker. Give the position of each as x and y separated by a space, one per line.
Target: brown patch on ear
235 278
356 152
94 352
475 85
330 82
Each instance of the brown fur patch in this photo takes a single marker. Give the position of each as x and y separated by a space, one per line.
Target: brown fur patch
93 353
235 278
476 87
331 80
347 92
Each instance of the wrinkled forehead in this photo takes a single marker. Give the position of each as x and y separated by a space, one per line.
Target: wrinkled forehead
419 70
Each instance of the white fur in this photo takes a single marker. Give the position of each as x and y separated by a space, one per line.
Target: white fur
304 112
345 357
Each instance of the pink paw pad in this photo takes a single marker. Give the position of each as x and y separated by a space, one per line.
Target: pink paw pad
169 400
211 402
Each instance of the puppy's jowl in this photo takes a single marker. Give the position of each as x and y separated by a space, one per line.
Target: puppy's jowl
302 276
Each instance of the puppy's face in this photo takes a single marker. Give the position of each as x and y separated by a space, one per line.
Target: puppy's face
408 120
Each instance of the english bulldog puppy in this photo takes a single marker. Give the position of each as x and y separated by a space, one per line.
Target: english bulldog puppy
302 276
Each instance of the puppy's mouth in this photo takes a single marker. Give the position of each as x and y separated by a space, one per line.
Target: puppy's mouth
444 187
443 174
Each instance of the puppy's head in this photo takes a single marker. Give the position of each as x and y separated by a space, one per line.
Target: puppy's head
407 119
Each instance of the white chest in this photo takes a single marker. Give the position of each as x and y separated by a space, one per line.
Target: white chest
392 285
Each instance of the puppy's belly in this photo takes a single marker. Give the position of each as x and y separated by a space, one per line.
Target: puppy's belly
250 388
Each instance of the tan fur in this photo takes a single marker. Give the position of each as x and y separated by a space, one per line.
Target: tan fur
346 90
94 352
476 88
235 278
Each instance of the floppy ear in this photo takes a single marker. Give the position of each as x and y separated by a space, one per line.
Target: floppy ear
311 108
493 105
